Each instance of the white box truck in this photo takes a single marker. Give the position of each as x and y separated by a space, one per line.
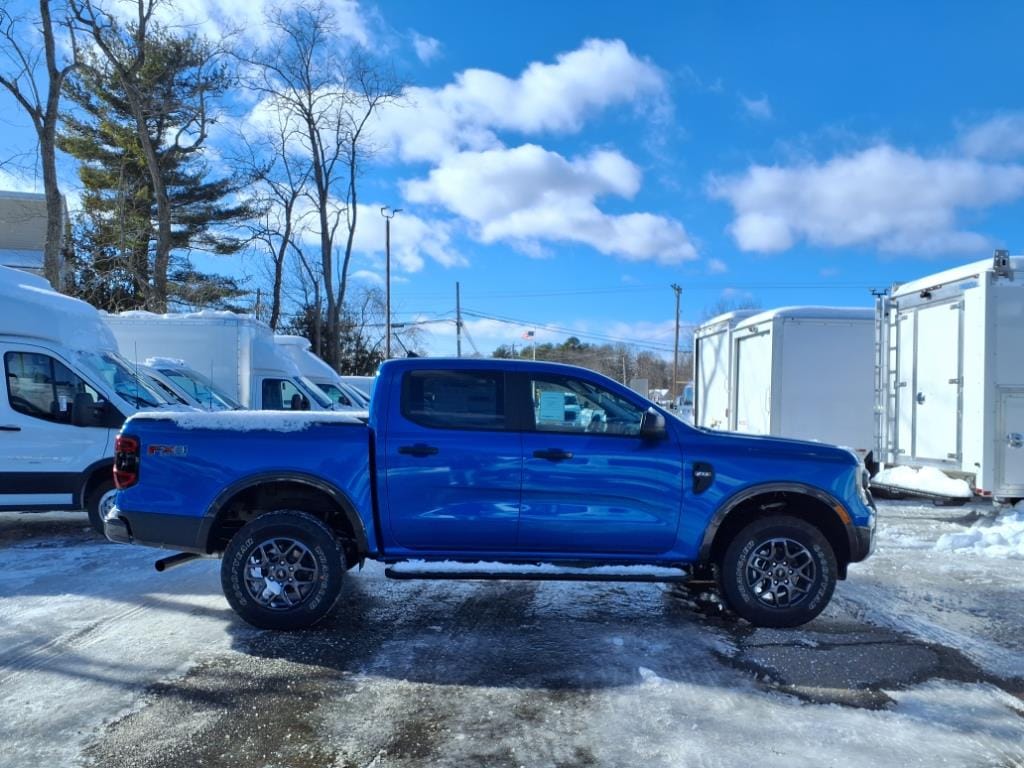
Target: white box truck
65 393
236 352
950 375
321 374
806 373
712 369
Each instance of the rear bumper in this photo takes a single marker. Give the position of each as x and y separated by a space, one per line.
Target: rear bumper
177 532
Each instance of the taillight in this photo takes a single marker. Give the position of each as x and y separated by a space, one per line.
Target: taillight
126 461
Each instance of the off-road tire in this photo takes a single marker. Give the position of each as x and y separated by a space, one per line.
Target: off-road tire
320 544
744 591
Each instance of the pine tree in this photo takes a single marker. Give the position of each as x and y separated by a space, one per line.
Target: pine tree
115 236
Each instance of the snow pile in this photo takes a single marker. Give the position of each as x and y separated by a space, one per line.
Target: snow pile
925 479
249 421
1003 538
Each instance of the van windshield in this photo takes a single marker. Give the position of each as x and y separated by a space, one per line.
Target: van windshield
200 390
315 393
119 375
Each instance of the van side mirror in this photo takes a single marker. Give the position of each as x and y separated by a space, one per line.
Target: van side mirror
652 425
84 412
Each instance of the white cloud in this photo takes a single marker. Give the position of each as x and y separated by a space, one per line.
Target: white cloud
246 19
528 194
884 197
427 48
413 239
717 267
999 138
368 276
757 108
554 98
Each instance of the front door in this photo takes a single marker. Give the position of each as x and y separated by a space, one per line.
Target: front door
453 464
591 484
42 453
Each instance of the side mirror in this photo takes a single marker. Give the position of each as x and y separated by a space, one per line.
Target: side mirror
652 426
84 412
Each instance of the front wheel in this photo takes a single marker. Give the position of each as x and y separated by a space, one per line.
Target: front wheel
283 570
778 572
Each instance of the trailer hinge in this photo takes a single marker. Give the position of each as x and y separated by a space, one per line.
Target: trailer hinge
902 384
956 305
953 456
956 381
1001 264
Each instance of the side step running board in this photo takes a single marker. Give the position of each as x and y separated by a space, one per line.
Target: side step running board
479 572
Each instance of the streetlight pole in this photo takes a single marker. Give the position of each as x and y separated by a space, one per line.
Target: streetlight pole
675 352
387 276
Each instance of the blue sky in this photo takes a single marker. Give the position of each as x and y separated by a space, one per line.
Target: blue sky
566 162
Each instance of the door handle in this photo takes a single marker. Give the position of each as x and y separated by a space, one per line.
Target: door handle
553 454
419 449
9 428
1015 440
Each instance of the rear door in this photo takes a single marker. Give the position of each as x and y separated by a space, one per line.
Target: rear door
754 383
590 483
937 389
1010 439
453 463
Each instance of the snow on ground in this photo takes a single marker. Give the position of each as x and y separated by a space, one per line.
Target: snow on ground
104 662
926 479
1003 537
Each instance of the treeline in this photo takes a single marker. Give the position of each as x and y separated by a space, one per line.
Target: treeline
135 102
617 361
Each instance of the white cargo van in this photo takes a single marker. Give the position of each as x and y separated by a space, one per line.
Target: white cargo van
188 385
806 373
65 392
236 352
950 375
320 373
712 373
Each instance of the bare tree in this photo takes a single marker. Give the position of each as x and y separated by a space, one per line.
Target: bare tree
328 94
22 78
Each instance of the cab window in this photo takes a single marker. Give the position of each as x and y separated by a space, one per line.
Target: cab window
575 406
283 395
42 387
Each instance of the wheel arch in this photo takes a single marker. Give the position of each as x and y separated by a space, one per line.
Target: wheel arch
323 499
92 476
815 506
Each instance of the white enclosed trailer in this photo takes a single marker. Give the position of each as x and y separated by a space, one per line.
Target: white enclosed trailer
806 372
950 375
236 352
712 374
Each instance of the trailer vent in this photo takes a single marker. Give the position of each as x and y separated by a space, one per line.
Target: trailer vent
1001 264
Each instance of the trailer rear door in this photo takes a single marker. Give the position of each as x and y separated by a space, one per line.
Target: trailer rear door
1011 444
754 383
712 381
937 386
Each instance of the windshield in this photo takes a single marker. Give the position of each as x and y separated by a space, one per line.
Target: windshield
164 389
200 389
119 374
315 393
355 394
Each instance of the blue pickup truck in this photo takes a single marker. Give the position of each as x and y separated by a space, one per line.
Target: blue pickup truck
490 461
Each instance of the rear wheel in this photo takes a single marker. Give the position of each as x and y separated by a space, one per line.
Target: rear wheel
778 572
101 500
283 570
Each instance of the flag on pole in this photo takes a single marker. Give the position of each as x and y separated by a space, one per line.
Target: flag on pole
528 335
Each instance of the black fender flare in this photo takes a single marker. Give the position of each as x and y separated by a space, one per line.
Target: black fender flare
284 476
750 492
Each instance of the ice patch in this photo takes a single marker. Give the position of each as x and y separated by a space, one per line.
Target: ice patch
1002 538
926 480
249 421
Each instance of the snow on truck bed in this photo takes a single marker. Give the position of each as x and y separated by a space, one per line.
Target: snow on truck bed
249 421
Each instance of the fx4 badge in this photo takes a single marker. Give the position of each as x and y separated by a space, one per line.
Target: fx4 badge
166 450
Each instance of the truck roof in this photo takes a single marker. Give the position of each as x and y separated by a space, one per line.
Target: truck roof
956 274
811 313
32 309
728 319
487 363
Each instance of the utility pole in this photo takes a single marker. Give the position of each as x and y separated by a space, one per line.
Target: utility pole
387 277
458 322
675 353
